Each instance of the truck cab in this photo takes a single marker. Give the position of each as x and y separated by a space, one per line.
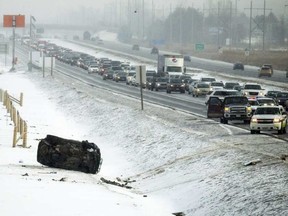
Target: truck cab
170 65
234 107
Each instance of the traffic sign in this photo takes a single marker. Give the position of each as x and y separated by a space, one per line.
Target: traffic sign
199 47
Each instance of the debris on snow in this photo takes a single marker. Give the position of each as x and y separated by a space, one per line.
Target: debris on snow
253 162
115 183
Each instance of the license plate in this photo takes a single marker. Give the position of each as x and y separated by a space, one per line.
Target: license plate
265 128
238 116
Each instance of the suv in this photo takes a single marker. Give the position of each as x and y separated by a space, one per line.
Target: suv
231 108
175 85
252 90
269 118
265 71
154 50
135 47
282 99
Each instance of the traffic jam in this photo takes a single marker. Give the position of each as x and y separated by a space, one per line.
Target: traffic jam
264 110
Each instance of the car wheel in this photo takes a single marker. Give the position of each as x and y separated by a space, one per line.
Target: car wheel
253 131
156 89
225 121
193 95
189 92
284 130
280 131
197 95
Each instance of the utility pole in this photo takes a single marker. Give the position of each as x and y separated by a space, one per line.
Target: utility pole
32 27
264 25
218 26
181 30
13 48
236 23
230 32
170 26
250 31
192 25
143 20
257 24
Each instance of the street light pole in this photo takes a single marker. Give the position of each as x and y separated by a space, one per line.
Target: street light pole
32 18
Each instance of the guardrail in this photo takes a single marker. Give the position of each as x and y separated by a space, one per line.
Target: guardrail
20 126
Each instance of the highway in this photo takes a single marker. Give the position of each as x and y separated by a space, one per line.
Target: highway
175 101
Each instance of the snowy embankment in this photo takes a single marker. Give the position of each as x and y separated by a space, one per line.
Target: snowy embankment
178 162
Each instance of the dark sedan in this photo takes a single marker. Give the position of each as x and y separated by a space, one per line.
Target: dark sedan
161 83
282 99
120 76
108 75
238 66
175 85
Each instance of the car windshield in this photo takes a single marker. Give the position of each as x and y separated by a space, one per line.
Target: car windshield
253 102
116 68
174 69
203 85
217 84
208 79
161 80
121 74
226 93
267 111
281 94
272 93
266 101
150 73
256 87
175 81
131 74
230 85
185 77
236 100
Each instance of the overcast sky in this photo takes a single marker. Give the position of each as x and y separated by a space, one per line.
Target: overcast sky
52 10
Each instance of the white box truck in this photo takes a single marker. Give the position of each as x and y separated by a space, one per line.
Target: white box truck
171 65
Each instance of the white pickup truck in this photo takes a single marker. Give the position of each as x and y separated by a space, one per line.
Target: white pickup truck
252 90
269 118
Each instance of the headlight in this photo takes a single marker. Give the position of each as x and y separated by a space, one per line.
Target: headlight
276 120
254 120
172 85
249 109
183 85
198 90
261 93
226 109
245 93
158 84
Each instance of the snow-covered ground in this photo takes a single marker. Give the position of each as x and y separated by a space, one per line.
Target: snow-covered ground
179 162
